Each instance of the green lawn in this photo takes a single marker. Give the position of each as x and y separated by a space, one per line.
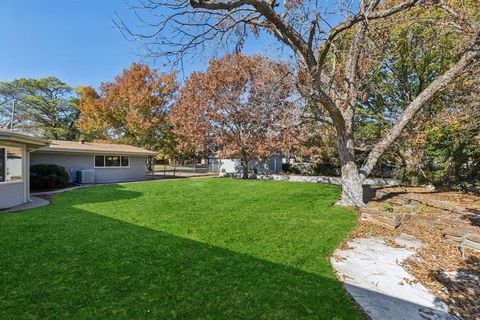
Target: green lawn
186 249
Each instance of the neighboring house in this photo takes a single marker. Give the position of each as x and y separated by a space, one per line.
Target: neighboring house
109 162
272 164
106 162
15 152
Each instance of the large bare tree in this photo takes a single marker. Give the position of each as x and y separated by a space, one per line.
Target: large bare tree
319 39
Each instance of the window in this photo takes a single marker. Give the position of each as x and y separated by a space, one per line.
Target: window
11 164
112 161
99 161
3 153
14 164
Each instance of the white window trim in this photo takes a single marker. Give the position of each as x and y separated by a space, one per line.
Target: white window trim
114 155
23 164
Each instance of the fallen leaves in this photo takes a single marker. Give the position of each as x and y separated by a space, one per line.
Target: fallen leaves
438 264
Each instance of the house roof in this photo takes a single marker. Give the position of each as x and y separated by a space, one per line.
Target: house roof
13 136
72 146
93 147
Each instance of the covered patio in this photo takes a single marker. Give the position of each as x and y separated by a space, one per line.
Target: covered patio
15 151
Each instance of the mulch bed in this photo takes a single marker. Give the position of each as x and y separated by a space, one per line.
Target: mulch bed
468 201
439 264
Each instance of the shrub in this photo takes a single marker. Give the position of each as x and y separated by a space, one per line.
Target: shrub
388 207
289 168
48 176
411 178
453 156
325 169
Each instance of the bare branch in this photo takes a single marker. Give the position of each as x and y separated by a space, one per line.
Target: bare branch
285 32
322 51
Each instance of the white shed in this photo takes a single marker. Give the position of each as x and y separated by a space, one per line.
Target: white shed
272 164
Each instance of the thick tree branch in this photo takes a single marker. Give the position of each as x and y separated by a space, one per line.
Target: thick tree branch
322 50
284 29
469 57
352 75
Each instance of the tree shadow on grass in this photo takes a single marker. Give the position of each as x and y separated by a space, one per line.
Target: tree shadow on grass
62 262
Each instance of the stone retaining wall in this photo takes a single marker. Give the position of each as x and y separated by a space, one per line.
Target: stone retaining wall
329 180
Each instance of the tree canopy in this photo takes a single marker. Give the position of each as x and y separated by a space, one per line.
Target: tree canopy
240 107
131 109
46 107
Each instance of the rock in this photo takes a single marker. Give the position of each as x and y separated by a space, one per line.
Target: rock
467 243
475 237
400 201
459 232
408 241
385 219
445 205
410 206
453 240
467 238
426 222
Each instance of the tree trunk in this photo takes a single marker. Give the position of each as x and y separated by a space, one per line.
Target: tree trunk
352 187
244 164
352 180
150 163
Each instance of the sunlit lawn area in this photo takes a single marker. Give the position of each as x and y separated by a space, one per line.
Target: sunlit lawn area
186 249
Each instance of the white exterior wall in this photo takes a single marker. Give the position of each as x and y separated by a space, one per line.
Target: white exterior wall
232 166
136 171
75 162
12 194
16 193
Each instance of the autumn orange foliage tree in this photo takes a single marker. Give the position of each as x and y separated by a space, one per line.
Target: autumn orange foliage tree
241 107
132 109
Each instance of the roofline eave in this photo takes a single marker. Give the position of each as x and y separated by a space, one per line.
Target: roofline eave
93 152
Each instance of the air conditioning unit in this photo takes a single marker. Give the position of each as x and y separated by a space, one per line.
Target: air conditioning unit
85 176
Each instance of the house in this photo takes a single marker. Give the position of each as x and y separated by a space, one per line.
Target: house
106 162
15 153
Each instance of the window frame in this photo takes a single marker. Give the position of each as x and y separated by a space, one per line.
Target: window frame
5 159
110 167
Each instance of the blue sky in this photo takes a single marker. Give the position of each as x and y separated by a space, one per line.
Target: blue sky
73 40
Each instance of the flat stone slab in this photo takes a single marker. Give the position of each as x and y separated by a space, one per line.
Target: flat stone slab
408 241
34 203
371 272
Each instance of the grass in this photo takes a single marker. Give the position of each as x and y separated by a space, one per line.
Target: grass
185 249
